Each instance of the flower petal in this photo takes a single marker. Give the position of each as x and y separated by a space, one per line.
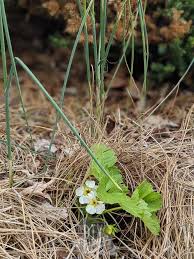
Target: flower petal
95 187
90 184
84 200
90 209
79 191
100 207
91 195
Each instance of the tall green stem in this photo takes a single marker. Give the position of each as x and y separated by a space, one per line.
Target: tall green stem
58 117
65 119
145 47
8 133
3 53
9 45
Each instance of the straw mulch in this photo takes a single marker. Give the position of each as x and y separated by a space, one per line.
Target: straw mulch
38 216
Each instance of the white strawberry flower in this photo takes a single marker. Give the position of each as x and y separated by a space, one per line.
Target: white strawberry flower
95 206
86 192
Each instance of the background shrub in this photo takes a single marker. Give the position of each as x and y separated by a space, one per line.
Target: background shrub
169 25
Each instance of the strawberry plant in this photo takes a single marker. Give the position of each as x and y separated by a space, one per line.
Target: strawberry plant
143 203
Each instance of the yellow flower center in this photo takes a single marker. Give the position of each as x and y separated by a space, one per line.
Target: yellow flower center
93 202
87 191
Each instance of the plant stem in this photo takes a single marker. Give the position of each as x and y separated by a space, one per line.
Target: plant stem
66 120
9 45
145 50
8 134
66 77
111 210
3 53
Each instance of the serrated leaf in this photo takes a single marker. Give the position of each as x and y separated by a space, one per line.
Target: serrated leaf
136 206
154 201
141 210
121 198
142 190
145 192
137 209
116 175
152 223
109 197
105 155
107 158
143 203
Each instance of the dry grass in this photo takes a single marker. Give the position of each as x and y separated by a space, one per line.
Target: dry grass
47 224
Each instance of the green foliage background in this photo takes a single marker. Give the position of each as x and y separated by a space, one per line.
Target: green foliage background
168 59
173 57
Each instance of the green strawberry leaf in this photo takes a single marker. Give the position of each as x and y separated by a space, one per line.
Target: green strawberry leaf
110 196
143 203
154 201
142 190
115 173
105 155
152 223
108 159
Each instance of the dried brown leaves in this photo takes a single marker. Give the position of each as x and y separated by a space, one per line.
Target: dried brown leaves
37 218
178 27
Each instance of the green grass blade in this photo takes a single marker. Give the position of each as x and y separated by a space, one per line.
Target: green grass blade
86 43
68 71
145 45
8 133
65 119
9 45
103 52
118 66
103 21
96 62
111 38
3 53
95 47
73 52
